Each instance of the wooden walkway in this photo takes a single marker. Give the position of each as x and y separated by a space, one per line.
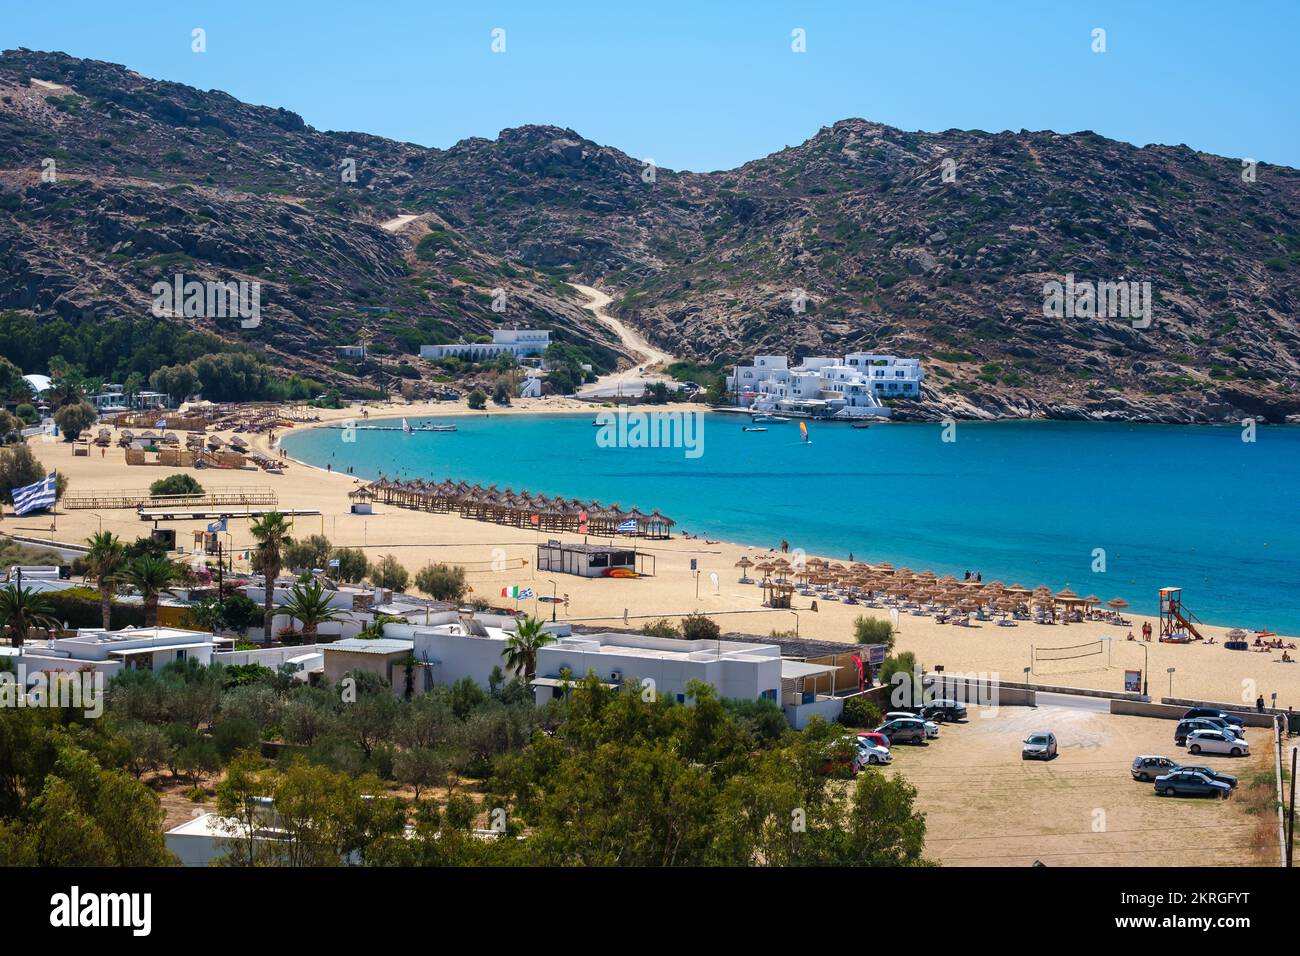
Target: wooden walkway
109 499
194 514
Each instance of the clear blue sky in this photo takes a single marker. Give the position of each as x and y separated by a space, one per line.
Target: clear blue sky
708 85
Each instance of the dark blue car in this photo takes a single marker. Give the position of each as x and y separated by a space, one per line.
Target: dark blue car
1189 783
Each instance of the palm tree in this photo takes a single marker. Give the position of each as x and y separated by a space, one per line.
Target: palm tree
309 604
22 609
522 646
151 576
104 560
272 534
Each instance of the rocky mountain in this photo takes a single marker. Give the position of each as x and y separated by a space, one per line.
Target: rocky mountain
864 237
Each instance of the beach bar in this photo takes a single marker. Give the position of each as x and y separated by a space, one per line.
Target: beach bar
594 560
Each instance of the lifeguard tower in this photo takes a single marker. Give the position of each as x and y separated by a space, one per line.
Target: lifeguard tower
1174 618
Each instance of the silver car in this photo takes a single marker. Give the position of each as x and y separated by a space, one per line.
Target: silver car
1040 745
1216 742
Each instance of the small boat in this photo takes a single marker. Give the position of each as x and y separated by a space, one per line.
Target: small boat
439 428
406 426
752 428
859 425
769 420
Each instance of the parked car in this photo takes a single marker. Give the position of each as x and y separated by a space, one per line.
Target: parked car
1189 783
1216 742
1039 746
873 754
1213 712
903 730
931 728
944 710
843 758
875 739
1148 768
1213 774
1185 727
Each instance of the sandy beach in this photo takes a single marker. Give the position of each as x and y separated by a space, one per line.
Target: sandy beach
1202 671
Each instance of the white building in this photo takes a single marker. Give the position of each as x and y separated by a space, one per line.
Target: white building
852 387
108 652
735 669
516 342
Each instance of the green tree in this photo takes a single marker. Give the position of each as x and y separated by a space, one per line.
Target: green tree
272 534
75 419
150 577
477 400
307 554
442 582
23 610
19 467
903 673
388 573
309 604
523 644
353 565
104 560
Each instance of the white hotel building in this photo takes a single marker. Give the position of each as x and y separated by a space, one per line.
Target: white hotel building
852 387
516 342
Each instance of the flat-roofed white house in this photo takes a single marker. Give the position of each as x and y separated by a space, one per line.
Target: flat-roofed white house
141 648
516 342
854 386
738 670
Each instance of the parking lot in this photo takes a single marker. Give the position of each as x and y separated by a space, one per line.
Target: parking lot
985 806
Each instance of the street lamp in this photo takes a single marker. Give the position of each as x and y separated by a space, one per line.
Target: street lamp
1146 660
1170 671
554 600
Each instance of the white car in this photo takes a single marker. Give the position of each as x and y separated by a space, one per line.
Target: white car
872 754
931 728
1216 742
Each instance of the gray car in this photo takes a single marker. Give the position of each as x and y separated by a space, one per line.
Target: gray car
1040 745
904 730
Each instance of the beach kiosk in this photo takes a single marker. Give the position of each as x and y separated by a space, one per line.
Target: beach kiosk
594 560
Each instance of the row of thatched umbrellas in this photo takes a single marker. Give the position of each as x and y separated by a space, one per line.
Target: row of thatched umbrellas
519 509
883 581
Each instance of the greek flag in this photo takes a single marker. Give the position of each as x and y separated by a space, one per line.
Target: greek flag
35 497
627 527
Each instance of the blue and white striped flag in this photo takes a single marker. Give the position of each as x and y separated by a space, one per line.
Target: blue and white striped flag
35 497
627 527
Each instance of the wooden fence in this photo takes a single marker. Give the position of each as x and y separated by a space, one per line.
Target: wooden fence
135 498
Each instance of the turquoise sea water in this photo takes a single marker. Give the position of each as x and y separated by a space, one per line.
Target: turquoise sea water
1194 507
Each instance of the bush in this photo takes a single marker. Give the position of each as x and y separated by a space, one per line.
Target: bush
860 712
873 630
18 467
477 400
390 574
442 582
661 628
27 413
698 627
177 484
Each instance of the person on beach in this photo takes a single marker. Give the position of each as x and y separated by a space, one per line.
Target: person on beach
1259 703
1146 630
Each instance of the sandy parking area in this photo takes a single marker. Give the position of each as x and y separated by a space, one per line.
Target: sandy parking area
985 806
